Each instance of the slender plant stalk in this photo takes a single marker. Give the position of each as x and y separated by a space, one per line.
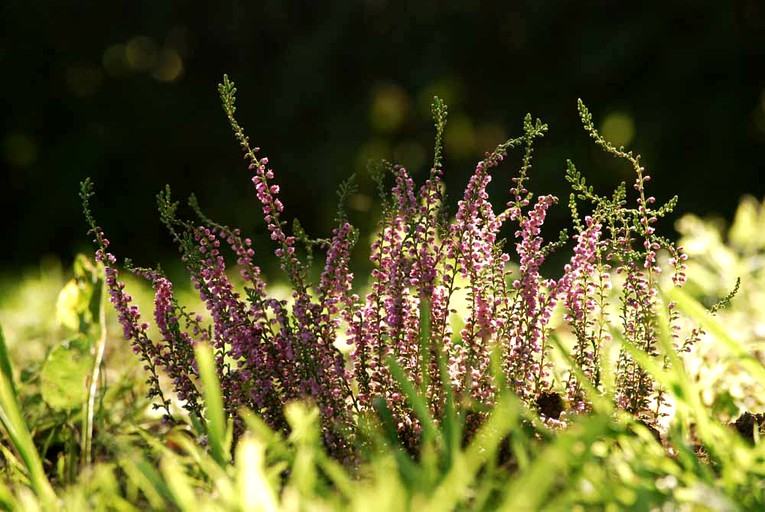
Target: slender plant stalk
87 445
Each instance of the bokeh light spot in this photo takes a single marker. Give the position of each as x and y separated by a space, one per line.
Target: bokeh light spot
169 66
115 60
360 202
390 106
449 89
618 128
141 53
488 136
460 137
19 150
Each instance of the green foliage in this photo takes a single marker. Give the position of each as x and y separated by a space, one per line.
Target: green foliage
79 303
726 259
603 460
18 433
65 374
217 436
71 366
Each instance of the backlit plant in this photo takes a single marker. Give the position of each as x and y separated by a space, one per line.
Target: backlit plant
270 352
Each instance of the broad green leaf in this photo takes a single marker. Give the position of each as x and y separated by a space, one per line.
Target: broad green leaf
84 268
64 376
69 305
79 302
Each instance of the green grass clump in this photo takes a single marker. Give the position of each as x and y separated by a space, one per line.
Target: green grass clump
604 460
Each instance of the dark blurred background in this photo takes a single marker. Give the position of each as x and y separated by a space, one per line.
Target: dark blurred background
125 92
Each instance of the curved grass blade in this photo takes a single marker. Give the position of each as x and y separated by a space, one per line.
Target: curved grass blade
697 312
216 417
21 439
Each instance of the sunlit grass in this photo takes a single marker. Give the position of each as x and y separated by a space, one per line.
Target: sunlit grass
601 460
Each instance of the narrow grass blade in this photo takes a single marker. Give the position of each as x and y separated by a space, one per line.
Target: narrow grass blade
600 404
416 400
455 488
13 423
255 490
5 364
700 314
7 500
674 379
432 441
532 488
452 425
144 477
276 445
303 419
216 418
720 444
178 484
409 470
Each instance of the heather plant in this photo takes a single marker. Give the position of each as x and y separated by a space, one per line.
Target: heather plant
407 363
427 435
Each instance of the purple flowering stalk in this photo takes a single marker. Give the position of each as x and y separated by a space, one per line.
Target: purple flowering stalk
133 327
270 352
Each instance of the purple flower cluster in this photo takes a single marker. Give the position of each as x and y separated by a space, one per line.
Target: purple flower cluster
129 317
270 352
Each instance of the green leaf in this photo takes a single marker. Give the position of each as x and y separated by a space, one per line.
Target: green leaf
531 488
255 487
214 412
18 432
5 364
415 400
711 325
64 375
178 483
144 475
69 305
79 302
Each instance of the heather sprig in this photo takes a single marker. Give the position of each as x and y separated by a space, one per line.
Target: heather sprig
133 327
631 250
406 334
